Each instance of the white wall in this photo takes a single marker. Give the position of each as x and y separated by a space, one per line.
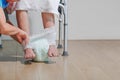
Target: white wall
94 19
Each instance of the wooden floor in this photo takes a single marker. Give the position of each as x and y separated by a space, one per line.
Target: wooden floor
87 60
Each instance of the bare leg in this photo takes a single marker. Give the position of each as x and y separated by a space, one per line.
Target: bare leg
48 21
23 23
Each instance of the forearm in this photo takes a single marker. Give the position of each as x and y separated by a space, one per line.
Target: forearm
8 29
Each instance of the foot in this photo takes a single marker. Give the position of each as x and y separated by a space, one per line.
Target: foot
53 52
29 54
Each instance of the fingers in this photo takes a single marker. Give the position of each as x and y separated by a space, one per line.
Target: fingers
21 36
26 40
19 39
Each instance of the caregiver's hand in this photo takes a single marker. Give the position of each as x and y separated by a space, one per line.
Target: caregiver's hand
21 37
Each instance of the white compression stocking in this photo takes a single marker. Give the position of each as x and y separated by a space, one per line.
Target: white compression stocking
49 34
40 43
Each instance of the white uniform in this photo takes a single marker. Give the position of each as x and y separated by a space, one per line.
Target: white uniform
50 6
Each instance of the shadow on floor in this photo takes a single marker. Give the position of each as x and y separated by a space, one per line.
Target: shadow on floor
21 59
11 59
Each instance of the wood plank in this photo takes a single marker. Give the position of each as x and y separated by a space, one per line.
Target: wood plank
8 61
25 72
87 60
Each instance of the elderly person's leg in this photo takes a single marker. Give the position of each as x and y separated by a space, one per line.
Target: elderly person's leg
23 23
49 22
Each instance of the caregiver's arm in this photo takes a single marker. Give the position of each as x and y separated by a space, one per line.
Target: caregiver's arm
8 29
